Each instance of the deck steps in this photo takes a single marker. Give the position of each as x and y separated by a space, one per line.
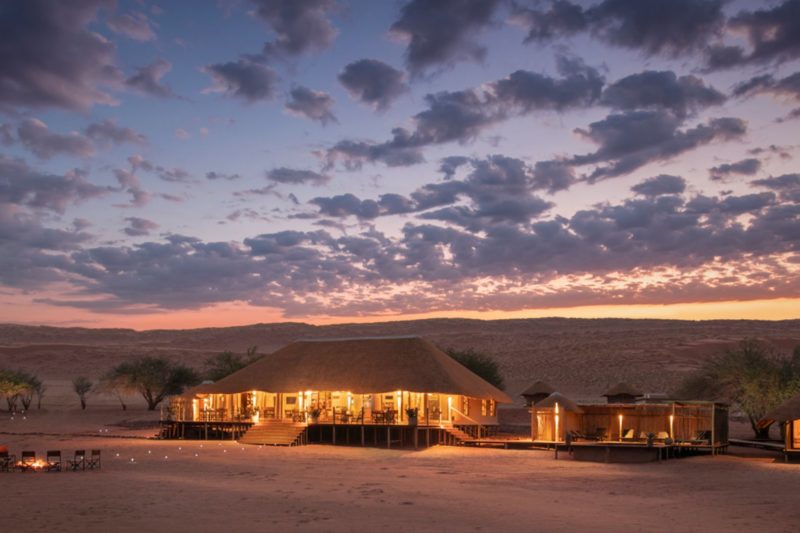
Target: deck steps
459 436
276 433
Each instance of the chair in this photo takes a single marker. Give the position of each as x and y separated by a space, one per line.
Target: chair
629 434
378 417
53 461
28 461
662 435
93 462
78 462
7 462
601 434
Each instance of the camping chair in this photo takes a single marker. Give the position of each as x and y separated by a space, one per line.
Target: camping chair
94 461
79 462
7 462
27 462
53 459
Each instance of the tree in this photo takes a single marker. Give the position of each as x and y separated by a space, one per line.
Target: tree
82 387
18 385
752 377
39 389
154 378
115 384
226 363
481 364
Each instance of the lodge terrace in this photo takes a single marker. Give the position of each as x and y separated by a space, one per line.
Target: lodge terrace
375 391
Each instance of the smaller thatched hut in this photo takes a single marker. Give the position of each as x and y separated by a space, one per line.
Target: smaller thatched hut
788 415
622 393
553 417
537 392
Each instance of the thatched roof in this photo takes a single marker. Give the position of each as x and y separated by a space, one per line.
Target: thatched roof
205 387
562 401
623 389
789 410
360 365
538 387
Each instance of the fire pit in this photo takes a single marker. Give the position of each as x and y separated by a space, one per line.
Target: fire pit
36 465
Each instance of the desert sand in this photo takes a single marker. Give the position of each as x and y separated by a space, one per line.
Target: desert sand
151 485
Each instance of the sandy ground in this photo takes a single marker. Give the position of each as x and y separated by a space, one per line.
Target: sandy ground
148 485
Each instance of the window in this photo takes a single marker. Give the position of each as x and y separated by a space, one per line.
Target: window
465 405
488 407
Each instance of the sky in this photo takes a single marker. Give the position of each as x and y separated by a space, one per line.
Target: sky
185 164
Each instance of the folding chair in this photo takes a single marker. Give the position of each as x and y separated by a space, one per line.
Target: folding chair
78 462
53 460
94 460
7 462
27 461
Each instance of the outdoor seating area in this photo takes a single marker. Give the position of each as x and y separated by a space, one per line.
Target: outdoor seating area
629 427
52 462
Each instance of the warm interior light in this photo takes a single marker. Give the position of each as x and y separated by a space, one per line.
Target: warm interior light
671 426
555 437
620 427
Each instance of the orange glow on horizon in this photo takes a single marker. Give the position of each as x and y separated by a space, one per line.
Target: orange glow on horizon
19 310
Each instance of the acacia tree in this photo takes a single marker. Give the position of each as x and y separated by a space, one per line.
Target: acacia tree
18 385
226 363
82 387
154 378
115 384
752 377
481 364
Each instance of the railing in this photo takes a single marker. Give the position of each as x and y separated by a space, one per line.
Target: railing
480 429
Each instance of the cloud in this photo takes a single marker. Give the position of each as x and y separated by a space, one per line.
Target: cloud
139 227
773 35
24 186
147 79
108 132
212 175
135 25
462 115
50 58
630 140
442 33
243 79
647 249
661 90
788 87
300 26
373 82
314 105
659 185
181 133
746 167
786 185
666 27
37 137
293 176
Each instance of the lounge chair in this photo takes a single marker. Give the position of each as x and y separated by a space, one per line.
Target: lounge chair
7 462
78 462
662 435
93 462
27 462
629 434
53 460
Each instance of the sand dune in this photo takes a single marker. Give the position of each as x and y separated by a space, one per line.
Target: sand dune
580 357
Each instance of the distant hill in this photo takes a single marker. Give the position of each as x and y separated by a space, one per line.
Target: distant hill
580 357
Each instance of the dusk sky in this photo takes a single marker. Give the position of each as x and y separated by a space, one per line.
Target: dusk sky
181 164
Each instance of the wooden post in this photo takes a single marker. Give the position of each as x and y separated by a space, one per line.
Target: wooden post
362 435
388 436
428 437
713 428
333 428
416 439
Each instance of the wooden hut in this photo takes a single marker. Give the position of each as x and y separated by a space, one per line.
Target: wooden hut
788 415
622 393
537 392
553 417
365 381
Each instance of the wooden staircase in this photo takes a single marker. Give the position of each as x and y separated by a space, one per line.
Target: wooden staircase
276 433
459 437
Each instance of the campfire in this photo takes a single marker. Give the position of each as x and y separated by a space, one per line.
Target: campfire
38 464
